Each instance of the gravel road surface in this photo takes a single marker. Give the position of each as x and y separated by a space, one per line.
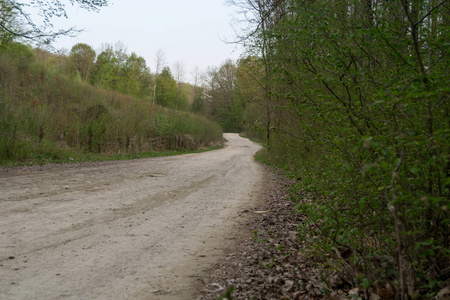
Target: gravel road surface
141 229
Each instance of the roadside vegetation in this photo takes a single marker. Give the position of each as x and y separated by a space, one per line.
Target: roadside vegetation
352 101
50 114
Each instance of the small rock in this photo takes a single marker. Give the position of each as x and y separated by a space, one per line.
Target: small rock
354 292
374 297
443 294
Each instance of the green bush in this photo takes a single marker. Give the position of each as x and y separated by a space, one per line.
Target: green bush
357 111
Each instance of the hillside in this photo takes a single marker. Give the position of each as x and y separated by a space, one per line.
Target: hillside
48 115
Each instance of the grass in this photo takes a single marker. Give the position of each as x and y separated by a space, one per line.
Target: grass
46 116
74 157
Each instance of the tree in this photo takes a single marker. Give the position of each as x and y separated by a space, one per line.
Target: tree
125 73
223 100
181 101
47 11
82 57
166 89
261 17
107 69
198 103
250 78
160 62
7 20
135 77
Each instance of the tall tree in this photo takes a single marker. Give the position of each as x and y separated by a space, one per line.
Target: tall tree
166 89
250 80
107 69
82 57
180 70
117 70
197 104
223 101
135 77
160 62
261 17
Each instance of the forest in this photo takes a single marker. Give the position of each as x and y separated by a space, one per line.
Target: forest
352 100
349 97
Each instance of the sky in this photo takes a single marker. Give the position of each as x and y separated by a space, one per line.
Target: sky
190 31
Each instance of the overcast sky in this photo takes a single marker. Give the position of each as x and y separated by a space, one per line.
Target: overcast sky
191 31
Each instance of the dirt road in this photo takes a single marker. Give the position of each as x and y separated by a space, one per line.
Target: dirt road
142 229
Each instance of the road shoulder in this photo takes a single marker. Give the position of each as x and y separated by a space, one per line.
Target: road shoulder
268 224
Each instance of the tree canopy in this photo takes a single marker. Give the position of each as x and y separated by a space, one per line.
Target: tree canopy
119 71
166 89
82 57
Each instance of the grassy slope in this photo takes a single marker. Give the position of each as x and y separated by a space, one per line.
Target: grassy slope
46 116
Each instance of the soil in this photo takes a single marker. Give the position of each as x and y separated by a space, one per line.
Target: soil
270 264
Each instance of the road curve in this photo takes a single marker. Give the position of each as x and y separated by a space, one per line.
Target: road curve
141 229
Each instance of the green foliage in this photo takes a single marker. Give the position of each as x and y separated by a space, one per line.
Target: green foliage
198 103
166 89
115 70
182 96
270 265
136 77
254 115
227 294
47 116
355 106
82 57
11 148
107 69
21 55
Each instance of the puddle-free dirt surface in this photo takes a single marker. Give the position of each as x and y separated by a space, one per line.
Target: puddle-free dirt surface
142 229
